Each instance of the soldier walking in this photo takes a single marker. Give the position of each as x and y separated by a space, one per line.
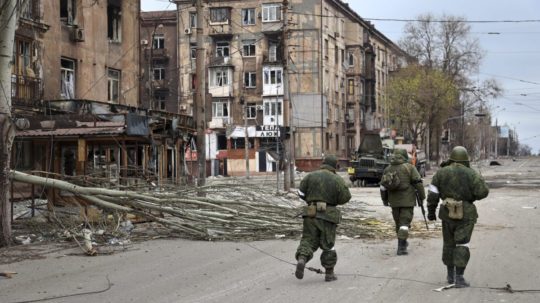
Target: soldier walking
322 190
399 185
458 186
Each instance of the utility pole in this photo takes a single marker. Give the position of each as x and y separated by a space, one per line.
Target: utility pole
246 138
286 108
200 96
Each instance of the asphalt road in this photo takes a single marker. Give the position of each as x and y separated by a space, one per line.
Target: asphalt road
505 249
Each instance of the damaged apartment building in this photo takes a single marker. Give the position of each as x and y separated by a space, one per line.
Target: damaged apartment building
76 99
292 80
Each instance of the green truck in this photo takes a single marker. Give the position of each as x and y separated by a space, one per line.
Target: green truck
372 157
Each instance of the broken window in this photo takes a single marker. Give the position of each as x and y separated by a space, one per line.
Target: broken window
220 109
159 42
220 78
160 97
159 73
67 81
30 9
192 19
114 21
222 49
248 48
193 51
113 79
248 16
67 11
219 15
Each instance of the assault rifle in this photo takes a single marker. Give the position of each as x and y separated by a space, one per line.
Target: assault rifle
419 202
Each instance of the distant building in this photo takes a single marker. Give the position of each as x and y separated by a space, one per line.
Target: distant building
306 79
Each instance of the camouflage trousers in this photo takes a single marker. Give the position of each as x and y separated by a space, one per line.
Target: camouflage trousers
318 233
456 237
402 217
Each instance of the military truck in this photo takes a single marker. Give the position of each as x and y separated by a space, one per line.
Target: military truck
370 160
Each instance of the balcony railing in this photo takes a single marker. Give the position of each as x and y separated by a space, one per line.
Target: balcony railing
25 91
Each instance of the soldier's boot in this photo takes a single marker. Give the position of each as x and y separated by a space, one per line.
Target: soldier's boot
299 273
460 280
402 247
450 277
329 275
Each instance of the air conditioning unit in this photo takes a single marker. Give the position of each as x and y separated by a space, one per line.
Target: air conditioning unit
183 107
259 107
144 42
188 31
77 34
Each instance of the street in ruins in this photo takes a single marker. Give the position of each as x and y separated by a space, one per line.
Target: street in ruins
505 253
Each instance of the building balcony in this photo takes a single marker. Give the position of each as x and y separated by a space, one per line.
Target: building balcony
221 91
219 122
272 27
220 30
25 91
157 53
220 61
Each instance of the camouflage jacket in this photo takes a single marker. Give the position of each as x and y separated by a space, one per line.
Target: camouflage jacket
324 185
408 174
459 182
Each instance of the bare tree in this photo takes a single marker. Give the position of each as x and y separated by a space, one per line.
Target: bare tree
443 44
8 24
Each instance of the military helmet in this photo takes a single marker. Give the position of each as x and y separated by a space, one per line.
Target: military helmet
401 152
459 154
330 160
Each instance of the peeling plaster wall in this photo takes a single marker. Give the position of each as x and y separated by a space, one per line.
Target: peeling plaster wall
93 55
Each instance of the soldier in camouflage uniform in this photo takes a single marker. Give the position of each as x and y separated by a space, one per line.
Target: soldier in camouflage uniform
454 183
403 198
322 190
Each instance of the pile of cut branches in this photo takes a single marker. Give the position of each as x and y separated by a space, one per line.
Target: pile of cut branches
225 209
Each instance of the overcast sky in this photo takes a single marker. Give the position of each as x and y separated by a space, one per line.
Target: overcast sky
512 55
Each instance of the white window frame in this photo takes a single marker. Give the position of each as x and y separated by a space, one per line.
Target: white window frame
223 49
249 48
273 76
271 12
270 106
220 77
221 108
248 16
113 85
158 41
250 79
251 111
67 78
